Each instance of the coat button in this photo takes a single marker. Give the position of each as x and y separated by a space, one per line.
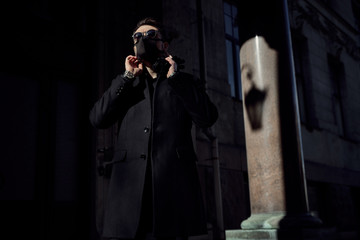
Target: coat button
119 90
143 156
146 129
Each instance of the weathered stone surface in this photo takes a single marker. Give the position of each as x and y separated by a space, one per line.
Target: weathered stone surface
263 221
251 234
299 234
263 143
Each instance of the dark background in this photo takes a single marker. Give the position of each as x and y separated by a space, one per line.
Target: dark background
54 56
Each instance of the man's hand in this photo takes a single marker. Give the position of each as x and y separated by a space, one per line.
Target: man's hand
133 65
173 66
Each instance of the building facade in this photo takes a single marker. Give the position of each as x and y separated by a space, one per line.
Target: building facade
326 53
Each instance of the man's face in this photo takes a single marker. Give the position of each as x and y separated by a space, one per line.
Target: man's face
161 46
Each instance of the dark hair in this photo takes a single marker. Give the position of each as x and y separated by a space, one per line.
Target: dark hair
166 33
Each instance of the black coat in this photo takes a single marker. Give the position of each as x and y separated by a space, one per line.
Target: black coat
166 122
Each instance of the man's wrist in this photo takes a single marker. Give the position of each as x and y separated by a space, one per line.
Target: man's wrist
173 74
128 75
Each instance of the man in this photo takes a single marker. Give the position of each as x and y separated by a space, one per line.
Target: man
154 189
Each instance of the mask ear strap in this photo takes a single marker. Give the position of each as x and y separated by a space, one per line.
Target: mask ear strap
166 44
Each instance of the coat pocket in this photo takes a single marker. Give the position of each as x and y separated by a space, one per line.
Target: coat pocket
106 167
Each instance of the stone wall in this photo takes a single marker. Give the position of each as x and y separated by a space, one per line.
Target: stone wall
332 145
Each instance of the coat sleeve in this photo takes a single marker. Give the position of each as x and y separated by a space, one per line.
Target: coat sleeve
197 103
111 106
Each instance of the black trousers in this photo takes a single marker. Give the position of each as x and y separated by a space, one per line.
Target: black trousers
145 228
146 219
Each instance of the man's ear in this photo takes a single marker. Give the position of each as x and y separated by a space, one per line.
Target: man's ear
165 46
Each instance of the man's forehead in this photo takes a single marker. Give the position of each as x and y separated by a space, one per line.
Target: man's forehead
145 28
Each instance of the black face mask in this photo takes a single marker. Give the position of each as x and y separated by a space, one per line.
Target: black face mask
146 49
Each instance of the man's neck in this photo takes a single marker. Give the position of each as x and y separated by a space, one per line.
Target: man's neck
151 72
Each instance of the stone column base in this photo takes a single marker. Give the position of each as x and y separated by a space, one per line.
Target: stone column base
277 234
263 221
258 234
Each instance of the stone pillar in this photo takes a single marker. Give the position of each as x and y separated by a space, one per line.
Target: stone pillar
278 195
263 134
